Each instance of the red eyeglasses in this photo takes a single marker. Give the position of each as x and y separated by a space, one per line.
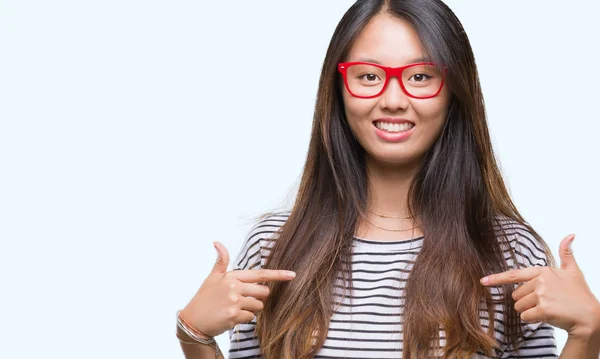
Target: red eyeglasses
367 80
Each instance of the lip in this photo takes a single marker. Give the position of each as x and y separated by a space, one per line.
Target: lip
393 137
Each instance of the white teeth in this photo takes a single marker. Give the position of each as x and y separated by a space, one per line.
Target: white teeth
394 127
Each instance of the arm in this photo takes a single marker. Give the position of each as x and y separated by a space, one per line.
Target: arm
585 345
196 351
581 348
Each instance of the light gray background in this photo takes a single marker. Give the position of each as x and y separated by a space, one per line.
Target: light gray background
135 133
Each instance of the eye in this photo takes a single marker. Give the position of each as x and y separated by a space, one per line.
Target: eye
369 77
420 77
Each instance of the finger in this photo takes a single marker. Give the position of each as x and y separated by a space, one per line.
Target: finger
511 276
263 275
567 260
533 315
244 316
251 304
257 291
527 302
524 290
222 262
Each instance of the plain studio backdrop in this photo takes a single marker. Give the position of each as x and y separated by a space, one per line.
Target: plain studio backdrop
134 133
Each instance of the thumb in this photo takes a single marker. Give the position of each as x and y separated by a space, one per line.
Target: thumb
222 262
567 259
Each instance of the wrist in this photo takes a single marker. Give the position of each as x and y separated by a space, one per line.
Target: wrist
590 329
190 330
184 337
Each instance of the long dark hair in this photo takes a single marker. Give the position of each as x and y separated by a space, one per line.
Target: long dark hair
457 196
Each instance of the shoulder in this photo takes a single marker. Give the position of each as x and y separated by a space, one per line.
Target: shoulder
529 248
254 250
260 238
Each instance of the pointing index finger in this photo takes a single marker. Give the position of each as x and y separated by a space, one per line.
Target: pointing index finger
511 276
263 275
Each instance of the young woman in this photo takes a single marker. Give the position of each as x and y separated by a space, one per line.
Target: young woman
400 213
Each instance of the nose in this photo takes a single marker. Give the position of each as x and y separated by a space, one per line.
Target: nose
393 97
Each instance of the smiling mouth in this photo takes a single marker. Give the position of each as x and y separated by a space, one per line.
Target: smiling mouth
394 127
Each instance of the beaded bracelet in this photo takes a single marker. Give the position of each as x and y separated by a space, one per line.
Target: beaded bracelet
195 334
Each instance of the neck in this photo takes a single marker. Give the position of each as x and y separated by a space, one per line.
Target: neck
388 188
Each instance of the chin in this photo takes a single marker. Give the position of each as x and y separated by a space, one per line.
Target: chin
395 160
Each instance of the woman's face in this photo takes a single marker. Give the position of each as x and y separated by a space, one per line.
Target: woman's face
393 42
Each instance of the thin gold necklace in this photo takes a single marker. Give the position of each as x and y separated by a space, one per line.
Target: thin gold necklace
387 229
384 216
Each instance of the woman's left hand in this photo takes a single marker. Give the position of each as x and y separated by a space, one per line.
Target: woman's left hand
557 296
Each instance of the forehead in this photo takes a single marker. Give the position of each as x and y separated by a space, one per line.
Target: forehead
388 40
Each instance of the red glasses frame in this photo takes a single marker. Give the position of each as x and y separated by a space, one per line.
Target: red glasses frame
389 73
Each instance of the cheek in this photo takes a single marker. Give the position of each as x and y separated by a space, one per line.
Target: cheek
357 110
428 114
433 112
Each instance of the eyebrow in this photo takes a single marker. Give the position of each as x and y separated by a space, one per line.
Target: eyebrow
411 61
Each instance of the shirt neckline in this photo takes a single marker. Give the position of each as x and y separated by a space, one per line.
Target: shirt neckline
405 244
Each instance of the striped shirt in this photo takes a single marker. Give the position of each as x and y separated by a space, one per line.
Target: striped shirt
368 324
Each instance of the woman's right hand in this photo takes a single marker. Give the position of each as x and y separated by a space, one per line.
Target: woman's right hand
229 298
